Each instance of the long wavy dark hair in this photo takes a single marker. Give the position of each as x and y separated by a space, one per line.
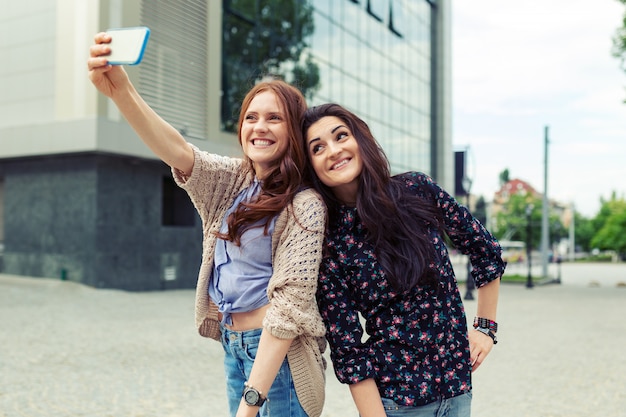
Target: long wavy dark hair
286 178
397 221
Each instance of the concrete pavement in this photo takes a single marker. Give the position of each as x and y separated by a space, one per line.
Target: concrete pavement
561 350
70 350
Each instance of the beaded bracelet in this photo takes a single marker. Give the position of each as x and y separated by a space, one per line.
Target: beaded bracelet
485 324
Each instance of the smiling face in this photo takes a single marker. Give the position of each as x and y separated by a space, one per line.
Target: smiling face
335 157
264 132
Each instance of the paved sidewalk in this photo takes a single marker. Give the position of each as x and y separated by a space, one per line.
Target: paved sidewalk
70 350
562 348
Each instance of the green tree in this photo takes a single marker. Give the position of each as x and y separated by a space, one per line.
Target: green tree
504 177
583 232
612 217
480 211
261 38
512 221
604 213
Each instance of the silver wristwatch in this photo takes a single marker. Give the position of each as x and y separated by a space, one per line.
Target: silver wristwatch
252 396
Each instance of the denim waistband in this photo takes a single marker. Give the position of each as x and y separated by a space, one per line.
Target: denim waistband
240 337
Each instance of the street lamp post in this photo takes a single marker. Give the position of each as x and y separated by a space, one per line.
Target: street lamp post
467 185
529 231
556 256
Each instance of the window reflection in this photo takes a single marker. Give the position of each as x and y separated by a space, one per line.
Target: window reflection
372 56
264 37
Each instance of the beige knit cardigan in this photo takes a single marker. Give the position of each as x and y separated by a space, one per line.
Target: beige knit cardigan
297 240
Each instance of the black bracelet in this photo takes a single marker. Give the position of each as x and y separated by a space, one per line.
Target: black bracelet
486 323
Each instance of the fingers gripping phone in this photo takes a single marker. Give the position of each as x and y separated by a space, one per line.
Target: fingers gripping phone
127 45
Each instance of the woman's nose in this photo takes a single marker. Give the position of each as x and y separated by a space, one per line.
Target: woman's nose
334 149
260 125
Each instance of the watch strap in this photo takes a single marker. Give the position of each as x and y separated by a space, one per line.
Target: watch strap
489 333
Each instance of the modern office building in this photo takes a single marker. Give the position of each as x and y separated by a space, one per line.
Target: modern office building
81 197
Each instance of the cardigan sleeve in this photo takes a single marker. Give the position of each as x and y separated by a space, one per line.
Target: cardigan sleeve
296 261
213 180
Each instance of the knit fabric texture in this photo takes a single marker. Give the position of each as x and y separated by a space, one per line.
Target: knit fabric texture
297 240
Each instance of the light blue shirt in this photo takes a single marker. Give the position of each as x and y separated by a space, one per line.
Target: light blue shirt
241 273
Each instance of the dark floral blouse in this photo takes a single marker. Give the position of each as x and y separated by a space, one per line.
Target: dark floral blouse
416 347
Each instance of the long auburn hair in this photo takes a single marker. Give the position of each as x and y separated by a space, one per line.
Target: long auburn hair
286 178
397 221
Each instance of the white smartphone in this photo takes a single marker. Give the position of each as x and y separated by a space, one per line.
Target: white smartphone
128 45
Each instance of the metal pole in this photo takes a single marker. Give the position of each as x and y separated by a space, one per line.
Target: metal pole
529 242
545 212
470 281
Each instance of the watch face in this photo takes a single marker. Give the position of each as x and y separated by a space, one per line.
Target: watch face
251 397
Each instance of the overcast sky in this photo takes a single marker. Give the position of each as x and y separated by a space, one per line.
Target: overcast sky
519 66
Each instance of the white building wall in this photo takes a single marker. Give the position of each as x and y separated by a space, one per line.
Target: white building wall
46 103
27 73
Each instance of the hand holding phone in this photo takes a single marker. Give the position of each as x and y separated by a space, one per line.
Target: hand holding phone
127 45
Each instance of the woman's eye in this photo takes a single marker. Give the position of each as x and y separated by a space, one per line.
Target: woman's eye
315 149
341 135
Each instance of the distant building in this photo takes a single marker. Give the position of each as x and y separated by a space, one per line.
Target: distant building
81 197
513 187
520 187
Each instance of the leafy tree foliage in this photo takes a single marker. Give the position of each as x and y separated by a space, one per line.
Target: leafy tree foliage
583 232
261 38
480 211
605 212
512 221
504 177
611 220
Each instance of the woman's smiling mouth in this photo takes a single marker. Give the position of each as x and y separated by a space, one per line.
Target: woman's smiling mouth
340 164
262 142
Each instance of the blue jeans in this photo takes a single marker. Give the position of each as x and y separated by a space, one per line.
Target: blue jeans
240 349
450 407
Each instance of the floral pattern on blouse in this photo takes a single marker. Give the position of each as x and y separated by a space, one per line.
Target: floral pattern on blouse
416 345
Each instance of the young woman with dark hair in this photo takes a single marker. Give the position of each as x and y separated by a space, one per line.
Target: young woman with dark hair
386 260
263 233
